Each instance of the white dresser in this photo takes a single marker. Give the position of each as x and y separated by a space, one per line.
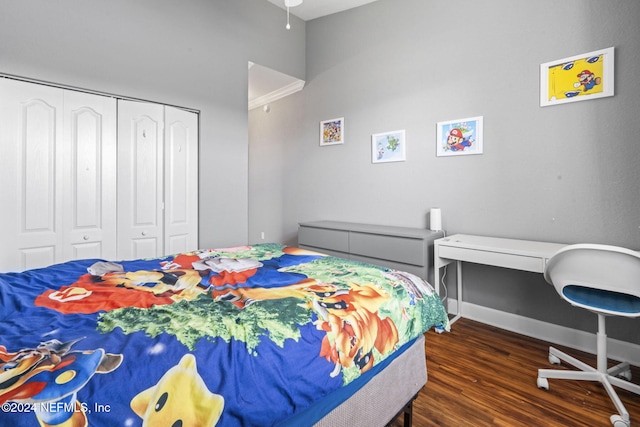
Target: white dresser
402 248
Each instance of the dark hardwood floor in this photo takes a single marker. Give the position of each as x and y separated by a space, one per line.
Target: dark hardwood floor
479 375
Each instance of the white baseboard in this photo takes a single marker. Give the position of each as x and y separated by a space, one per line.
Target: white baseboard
560 335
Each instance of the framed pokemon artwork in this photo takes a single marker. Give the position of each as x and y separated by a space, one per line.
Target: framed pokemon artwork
459 137
577 78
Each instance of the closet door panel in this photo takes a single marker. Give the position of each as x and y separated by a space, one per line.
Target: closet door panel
140 172
181 180
90 202
30 137
38 143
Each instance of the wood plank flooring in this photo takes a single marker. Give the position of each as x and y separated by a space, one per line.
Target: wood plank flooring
479 375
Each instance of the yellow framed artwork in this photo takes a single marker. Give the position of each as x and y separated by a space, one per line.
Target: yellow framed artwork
577 78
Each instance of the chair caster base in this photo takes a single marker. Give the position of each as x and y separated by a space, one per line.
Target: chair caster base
553 359
625 375
543 383
618 421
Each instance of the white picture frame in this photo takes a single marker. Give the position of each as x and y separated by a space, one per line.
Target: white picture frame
577 78
332 132
460 137
388 147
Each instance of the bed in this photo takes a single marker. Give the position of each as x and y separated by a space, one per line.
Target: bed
260 335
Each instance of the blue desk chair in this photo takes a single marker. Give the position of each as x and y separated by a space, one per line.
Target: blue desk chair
605 280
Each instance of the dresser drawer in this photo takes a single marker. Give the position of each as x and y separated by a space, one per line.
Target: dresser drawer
392 248
413 269
324 238
325 251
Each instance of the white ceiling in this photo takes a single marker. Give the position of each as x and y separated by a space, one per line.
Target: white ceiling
312 9
267 85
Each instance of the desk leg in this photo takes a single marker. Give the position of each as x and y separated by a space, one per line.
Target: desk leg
459 293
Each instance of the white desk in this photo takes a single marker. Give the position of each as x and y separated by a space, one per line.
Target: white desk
522 255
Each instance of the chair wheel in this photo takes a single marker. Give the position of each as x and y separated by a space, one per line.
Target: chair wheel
618 421
554 360
543 383
625 375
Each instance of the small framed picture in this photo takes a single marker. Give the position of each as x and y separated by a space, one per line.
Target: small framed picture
388 147
577 78
459 137
332 132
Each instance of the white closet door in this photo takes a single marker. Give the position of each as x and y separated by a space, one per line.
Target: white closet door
90 161
140 172
30 168
58 173
181 180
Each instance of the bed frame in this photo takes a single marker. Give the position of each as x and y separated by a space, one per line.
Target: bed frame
387 395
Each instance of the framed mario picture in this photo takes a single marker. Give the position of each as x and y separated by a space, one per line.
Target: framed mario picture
577 78
459 137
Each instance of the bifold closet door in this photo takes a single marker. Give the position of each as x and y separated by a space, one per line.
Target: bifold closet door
157 180
58 175
140 179
89 176
31 135
181 181
89 164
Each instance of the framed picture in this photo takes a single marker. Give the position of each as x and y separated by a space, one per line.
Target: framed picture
577 78
332 131
459 137
388 147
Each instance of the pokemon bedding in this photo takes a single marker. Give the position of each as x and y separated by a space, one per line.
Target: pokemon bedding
242 336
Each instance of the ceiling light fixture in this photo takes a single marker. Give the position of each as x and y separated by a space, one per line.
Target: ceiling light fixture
288 4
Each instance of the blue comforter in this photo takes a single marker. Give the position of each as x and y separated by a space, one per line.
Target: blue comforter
242 336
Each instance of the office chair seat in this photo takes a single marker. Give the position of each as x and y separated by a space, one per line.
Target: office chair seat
605 280
605 300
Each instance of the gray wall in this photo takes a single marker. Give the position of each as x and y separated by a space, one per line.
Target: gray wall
565 173
187 53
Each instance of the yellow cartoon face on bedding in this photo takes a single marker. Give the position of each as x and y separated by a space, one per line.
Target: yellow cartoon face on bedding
180 396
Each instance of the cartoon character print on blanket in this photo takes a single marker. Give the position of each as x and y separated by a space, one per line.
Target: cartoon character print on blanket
180 398
270 289
46 379
348 316
293 324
